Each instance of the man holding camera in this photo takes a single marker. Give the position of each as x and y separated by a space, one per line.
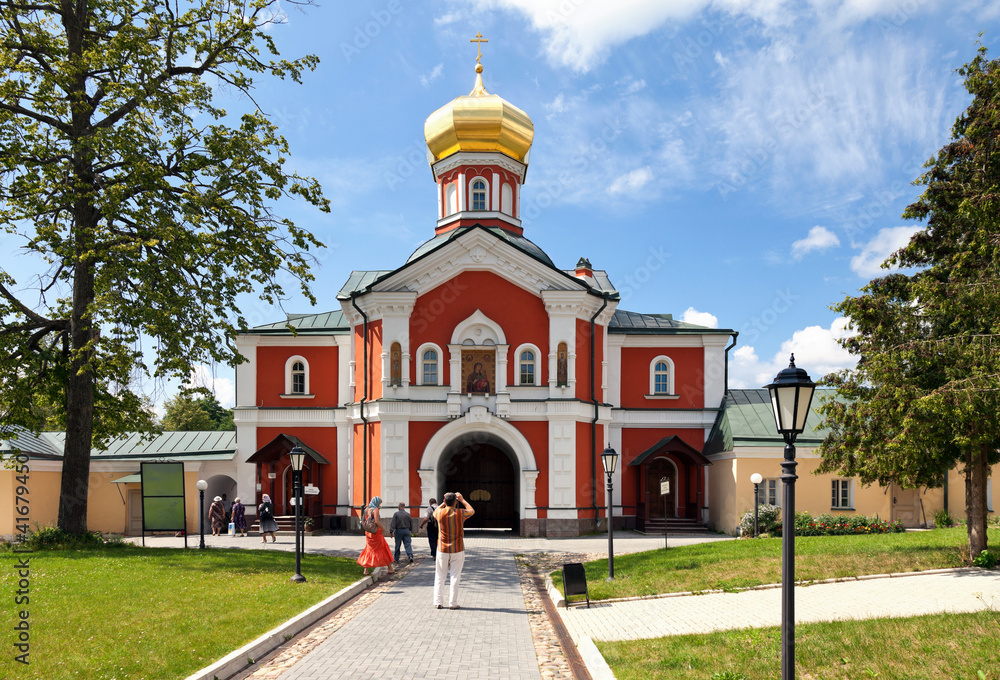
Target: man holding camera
451 547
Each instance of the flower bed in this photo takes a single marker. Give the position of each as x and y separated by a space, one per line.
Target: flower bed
821 525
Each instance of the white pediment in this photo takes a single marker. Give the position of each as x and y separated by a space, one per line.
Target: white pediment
478 250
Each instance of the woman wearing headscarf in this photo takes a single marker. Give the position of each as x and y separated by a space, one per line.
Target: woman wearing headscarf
217 514
376 552
265 513
239 517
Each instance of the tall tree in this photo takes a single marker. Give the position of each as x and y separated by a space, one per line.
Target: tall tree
185 413
925 395
151 208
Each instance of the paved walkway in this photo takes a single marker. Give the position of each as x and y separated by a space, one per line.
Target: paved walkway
902 595
401 635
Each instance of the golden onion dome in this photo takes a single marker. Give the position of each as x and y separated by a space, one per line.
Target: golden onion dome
479 121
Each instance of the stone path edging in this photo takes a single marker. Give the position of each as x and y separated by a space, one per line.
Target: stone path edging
558 599
594 660
236 661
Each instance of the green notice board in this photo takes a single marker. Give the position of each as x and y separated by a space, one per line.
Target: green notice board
163 497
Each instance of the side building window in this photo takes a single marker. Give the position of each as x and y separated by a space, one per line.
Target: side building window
661 376
841 495
769 493
296 376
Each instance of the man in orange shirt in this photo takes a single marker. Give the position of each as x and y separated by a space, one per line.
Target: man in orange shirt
451 547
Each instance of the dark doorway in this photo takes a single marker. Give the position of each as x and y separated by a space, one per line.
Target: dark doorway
657 470
485 476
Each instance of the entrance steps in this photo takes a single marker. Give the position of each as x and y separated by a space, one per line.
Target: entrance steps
674 525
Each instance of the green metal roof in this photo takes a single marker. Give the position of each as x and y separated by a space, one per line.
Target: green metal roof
202 445
634 323
516 240
750 420
325 323
359 280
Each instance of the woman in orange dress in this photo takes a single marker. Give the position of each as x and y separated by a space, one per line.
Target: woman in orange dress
376 552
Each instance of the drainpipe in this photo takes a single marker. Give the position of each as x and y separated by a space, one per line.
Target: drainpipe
593 423
725 392
364 399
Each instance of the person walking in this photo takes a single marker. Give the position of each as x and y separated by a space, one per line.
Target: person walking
265 513
451 547
217 514
401 527
376 552
432 527
239 517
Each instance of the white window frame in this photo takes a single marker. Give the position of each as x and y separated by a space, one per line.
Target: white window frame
770 488
837 488
486 194
289 363
670 393
420 363
537 361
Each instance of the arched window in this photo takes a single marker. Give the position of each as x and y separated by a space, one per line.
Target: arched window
296 377
479 195
527 361
429 364
661 377
395 365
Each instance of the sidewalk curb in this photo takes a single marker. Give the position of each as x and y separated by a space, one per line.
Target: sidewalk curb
592 657
236 661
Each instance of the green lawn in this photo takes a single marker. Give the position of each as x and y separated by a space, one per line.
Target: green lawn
956 646
131 612
729 565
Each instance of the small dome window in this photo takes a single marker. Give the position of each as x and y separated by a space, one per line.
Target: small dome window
479 195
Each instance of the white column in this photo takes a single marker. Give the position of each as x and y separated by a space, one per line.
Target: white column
462 190
529 509
495 205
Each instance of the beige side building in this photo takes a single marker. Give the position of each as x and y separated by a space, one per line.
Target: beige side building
745 442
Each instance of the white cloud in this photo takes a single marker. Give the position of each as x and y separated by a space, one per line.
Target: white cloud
449 18
557 105
630 85
815 348
435 73
819 238
868 262
631 182
692 315
224 389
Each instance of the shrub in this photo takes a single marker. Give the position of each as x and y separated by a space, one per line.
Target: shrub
943 518
986 560
768 520
54 538
841 525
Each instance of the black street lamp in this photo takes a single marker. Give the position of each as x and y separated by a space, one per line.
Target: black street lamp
610 460
756 479
791 398
202 485
298 455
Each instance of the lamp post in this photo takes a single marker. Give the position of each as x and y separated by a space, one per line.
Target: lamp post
791 397
202 485
610 460
298 455
756 479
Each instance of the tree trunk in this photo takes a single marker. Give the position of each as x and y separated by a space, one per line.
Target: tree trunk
86 217
976 474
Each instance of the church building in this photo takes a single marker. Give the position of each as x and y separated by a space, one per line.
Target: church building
481 366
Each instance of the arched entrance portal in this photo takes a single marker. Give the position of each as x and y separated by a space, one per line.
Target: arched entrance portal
486 475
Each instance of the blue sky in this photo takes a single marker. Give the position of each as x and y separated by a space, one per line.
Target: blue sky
738 164
741 164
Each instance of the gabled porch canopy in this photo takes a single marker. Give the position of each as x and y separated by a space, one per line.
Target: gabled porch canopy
280 446
675 445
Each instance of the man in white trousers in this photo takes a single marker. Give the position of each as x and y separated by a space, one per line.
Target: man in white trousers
451 547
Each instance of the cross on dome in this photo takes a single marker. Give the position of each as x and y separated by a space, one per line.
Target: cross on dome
479 47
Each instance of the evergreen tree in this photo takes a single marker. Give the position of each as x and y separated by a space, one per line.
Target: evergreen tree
925 395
